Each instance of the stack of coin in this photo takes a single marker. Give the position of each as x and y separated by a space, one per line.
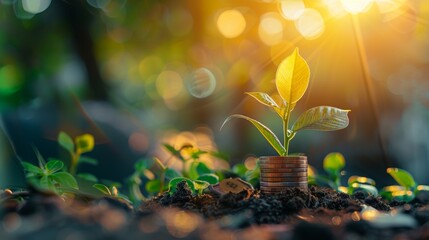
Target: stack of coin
279 173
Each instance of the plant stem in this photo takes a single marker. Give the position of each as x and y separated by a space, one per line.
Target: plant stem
73 163
286 135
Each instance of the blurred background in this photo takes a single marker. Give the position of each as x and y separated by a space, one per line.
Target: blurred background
137 73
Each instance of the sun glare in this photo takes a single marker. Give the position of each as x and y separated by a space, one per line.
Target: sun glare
310 24
356 6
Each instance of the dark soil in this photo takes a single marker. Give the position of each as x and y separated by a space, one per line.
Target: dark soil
319 213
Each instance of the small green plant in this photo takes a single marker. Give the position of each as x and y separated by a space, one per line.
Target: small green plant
111 191
407 189
81 144
159 177
292 80
49 175
333 164
249 175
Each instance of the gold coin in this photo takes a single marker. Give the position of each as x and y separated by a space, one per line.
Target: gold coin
283 170
283 184
281 189
234 185
277 161
284 179
281 174
283 159
278 165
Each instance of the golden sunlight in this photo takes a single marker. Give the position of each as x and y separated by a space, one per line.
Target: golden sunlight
310 24
231 23
356 6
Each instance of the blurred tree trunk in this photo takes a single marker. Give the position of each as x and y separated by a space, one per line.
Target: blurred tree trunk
78 19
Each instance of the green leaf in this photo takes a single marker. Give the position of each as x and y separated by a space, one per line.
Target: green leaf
359 179
422 188
103 188
66 142
54 166
202 168
201 185
173 151
220 155
292 77
153 186
171 173
172 185
322 118
193 173
31 168
88 177
143 164
196 154
209 177
84 143
266 132
363 187
239 169
88 160
263 98
65 179
334 163
402 177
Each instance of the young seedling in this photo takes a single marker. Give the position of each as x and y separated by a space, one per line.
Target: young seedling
111 191
49 175
407 189
81 144
333 164
292 80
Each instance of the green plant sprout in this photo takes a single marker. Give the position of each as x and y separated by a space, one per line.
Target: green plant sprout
407 189
156 174
333 164
249 175
292 80
49 175
81 144
111 191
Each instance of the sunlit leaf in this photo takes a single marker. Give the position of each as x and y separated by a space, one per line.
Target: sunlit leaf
359 179
200 185
54 166
363 187
422 188
31 168
88 160
88 177
66 142
172 185
292 77
153 186
102 188
334 163
143 164
402 177
322 118
84 143
263 98
266 132
209 177
65 179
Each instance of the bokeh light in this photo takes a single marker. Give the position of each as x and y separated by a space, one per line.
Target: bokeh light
231 23
35 6
291 9
270 29
10 80
356 6
201 83
310 24
169 84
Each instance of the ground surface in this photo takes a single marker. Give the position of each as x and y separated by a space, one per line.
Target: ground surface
318 213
